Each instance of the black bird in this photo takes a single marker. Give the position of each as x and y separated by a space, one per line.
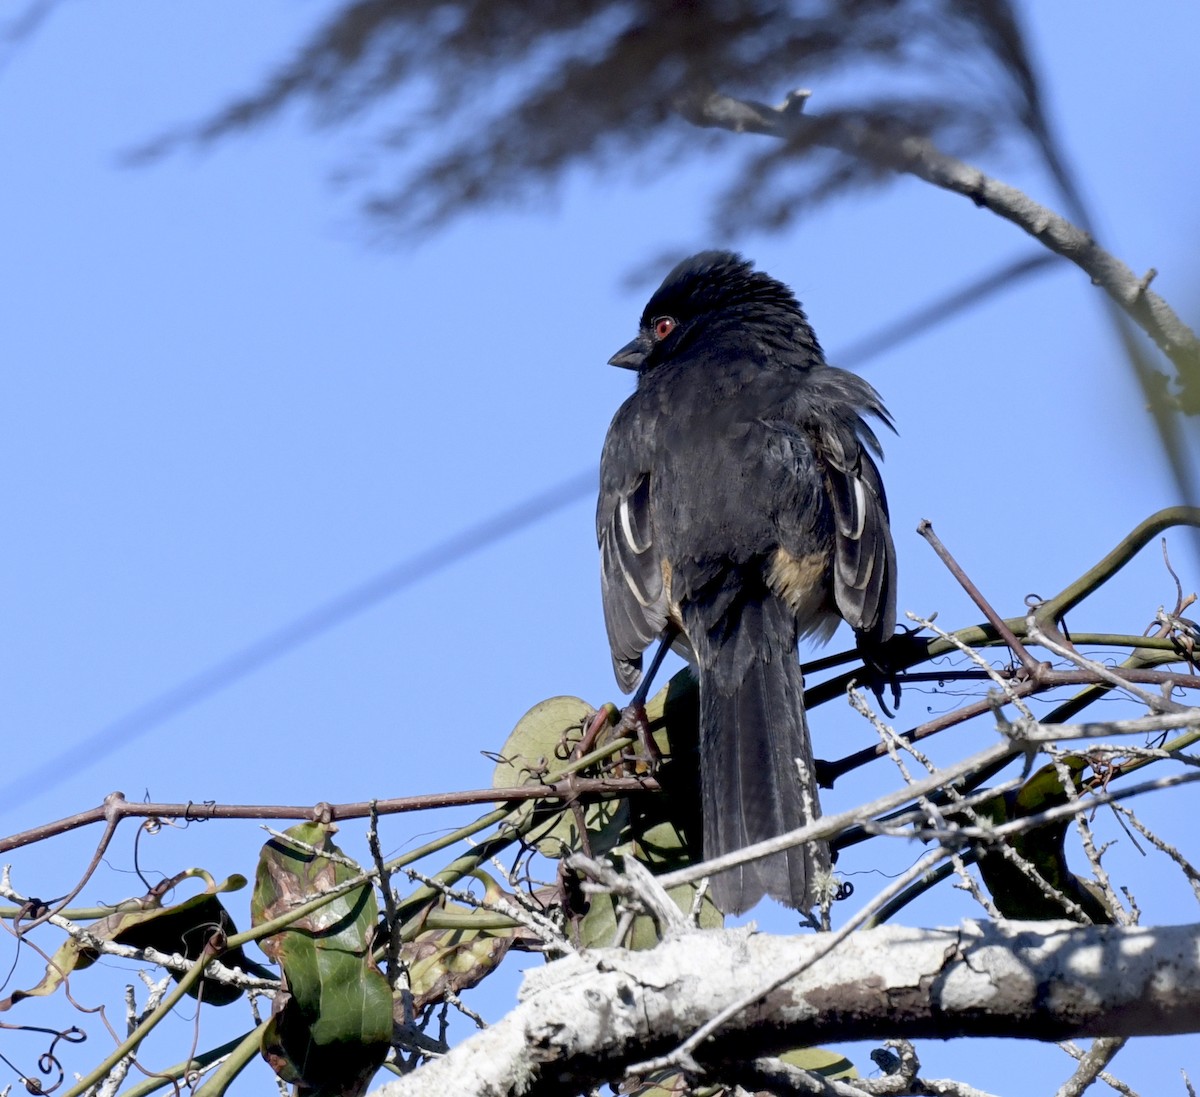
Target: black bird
741 509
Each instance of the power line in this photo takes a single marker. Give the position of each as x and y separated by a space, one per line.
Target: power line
254 656
936 312
340 609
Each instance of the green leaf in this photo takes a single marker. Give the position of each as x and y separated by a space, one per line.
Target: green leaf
441 960
541 742
598 928
662 831
822 1061
331 1025
185 928
1013 892
828 1064
144 922
661 1084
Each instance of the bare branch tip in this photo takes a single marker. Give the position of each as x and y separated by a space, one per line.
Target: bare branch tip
795 102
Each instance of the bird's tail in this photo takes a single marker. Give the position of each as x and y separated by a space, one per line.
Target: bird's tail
756 763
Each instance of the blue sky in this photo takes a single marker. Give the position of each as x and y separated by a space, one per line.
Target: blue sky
225 403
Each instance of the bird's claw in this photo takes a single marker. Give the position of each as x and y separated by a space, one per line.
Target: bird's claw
635 722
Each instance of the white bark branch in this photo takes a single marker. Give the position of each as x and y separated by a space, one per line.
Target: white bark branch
1034 731
584 1018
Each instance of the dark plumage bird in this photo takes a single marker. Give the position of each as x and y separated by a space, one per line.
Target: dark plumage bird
740 504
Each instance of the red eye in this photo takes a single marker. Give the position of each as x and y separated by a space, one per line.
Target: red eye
663 327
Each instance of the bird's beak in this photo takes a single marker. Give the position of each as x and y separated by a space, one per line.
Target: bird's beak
633 354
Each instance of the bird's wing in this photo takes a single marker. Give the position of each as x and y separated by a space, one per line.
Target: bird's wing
864 576
632 584
864 580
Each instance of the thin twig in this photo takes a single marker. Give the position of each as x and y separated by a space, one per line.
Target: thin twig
543 928
925 529
1188 869
1006 687
133 1017
828 826
1066 779
175 962
361 809
1155 703
894 743
1091 1066
1037 731
391 912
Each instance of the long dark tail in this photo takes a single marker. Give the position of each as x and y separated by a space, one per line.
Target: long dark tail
756 764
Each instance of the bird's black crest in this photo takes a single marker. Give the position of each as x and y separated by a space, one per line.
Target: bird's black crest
712 280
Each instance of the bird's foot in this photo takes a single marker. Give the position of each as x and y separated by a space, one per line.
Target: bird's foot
635 722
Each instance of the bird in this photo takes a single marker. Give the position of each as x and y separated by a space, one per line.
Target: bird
740 510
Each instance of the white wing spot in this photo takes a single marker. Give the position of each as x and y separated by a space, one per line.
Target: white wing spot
627 528
860 503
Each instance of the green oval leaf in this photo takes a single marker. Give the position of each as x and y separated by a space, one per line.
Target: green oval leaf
540 743
822 1061
331 1025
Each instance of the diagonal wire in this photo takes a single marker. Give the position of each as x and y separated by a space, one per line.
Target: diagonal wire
300 630
23 26
936 312
337 611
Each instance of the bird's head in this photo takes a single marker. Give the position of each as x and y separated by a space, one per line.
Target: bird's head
718 293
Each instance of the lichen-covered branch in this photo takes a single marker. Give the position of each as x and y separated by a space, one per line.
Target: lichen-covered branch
583 1019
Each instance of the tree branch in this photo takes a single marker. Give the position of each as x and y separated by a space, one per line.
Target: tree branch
916 155
582 1020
